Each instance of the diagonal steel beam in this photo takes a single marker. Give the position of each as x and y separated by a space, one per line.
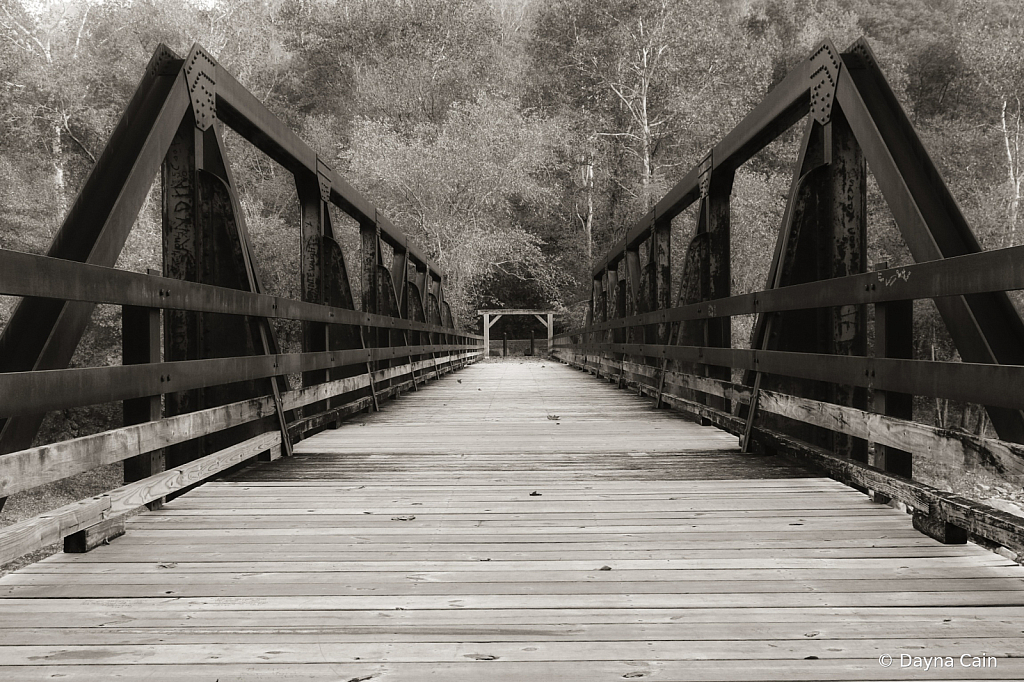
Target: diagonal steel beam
985 327
43 334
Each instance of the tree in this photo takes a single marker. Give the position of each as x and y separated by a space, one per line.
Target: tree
993 49
49 36
457 187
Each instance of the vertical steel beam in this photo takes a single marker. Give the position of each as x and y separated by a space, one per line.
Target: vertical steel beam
222 263
206 241
693 288
418 307
632 258
369 234
826 237
611 288
796 260
661 259
433 313
243 264
338 293
719 279
400 280
311 273
182 246
846 188
387 299
619 335
611 284
140 343
400 274
894 338
648 295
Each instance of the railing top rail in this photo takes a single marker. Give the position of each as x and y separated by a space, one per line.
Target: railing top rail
25 274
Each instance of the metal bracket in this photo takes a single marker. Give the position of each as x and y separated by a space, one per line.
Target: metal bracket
704 173
324 179
825 65
200 74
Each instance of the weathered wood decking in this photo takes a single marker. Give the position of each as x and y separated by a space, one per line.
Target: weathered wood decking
515 522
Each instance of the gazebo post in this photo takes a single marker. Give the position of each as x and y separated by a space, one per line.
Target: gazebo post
551 327
487 335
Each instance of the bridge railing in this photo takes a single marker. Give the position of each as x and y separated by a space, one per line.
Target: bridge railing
811 384
202 380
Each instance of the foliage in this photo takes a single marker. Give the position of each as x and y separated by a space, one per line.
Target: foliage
460 187
513 140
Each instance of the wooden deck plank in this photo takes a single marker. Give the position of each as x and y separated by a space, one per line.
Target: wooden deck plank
462 534
843 670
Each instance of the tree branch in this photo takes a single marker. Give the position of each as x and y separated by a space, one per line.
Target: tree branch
75 139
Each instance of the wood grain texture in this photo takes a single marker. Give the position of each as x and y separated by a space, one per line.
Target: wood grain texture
515 522
25 536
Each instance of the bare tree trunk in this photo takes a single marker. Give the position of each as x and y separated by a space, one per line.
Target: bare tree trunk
982 425
646 136
588 224
59 184
586 216
1011 138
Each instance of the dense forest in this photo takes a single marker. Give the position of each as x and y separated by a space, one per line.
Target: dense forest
512 140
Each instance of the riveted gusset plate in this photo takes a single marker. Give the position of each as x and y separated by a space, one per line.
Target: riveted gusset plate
825 64
201 76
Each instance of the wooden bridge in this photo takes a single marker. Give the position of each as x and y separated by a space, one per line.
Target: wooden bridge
408 512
